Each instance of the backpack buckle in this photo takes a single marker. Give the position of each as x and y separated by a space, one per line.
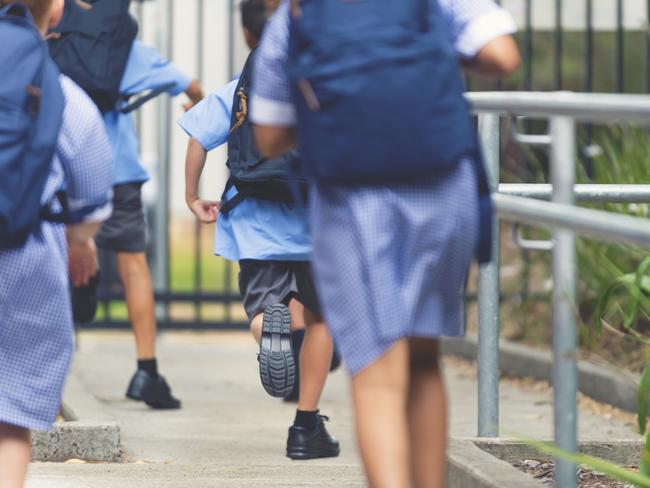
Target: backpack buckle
242 114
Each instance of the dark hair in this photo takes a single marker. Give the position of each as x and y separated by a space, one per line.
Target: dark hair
254 16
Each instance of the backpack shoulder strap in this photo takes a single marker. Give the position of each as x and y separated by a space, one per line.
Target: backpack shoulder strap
140 101
228 204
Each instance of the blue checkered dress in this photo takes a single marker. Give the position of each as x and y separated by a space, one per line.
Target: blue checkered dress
389 261
36 330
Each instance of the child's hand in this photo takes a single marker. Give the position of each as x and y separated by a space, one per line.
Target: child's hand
82 257
206 211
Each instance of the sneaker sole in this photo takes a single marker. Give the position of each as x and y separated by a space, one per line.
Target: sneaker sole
277 366
304 454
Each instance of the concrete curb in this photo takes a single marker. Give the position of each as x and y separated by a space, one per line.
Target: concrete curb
602 383
87 433
469 465
623 452
485 463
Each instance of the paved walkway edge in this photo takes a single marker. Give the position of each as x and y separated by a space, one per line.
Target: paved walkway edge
87 433
604 384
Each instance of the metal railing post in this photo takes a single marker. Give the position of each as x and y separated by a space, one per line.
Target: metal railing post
488 300
160 269
565 384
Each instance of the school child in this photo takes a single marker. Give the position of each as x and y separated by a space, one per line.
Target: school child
390 259
270 239
36 329
125 232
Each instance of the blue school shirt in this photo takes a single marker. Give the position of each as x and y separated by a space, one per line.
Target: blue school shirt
146 70
254 229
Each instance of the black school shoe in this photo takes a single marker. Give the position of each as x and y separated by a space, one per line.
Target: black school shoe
313 443
155 392
277 365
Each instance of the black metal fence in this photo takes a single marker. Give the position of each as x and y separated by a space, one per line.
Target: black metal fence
196 290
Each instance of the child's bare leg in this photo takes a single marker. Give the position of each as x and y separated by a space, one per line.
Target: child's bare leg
256 327
380 399
297 320
315 361
15 454
427 414
297 310
138 288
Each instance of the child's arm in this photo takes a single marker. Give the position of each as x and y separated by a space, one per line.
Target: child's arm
497 58
206 211
195 93
272 141
82 253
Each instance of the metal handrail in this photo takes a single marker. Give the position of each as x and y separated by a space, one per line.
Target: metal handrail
586 107
606 226
522 204
584 193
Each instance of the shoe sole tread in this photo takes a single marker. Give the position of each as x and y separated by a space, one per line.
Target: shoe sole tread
277 366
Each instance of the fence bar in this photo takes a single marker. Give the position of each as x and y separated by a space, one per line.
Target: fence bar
647 48
620 48
231 39
583 193
589 80
558 44
488 302
161 249
565 337
589 52
588 107
198 226
528 47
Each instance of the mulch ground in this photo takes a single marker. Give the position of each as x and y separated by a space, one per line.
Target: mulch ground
544 472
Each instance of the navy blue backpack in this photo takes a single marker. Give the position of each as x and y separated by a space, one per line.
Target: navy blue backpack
91 45
380 82
31 113
253 176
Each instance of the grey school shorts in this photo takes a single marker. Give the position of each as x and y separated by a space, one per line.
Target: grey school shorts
125 230
264 283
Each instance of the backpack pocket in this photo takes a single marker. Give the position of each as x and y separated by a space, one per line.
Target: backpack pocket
15 126
14 132
387 121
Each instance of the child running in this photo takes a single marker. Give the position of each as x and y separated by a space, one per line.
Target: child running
270 239
125 232
390 259
36 329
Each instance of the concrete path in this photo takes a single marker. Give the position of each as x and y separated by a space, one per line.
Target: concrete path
231 434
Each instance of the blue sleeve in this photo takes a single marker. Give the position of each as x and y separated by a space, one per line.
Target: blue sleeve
270 79
271 102
146 70
85 155
209 121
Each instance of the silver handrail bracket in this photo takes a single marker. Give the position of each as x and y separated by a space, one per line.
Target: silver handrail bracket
524 204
